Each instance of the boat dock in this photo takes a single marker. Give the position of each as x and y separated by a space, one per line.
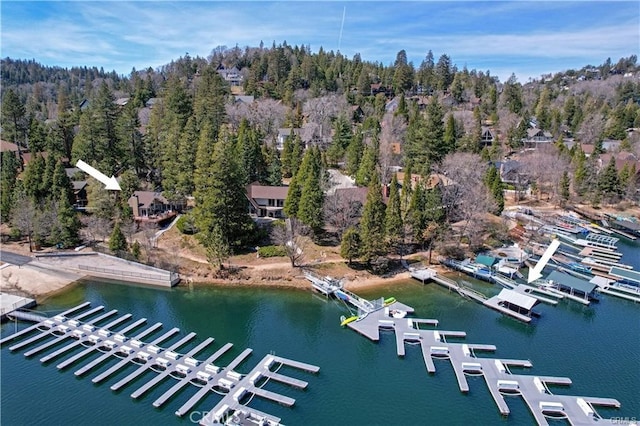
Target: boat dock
238 389
515 304
11 302
499 380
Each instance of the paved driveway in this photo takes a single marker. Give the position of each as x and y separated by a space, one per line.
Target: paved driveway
14 258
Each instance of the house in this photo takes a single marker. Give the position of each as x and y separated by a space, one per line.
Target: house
377 88
244 99
266 201
283 134
536 135
511 172
122 101
152 102
150 206
611 144
231 76
79 194
392 105
8 146
487 137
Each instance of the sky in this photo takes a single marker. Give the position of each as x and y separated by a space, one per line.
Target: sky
528 38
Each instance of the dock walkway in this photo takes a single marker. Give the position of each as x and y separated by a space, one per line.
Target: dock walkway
498 379
80 323
501 303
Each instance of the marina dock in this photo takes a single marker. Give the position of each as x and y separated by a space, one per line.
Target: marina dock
516 304
499 380
81 325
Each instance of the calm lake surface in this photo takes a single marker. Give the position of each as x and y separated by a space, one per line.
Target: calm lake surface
360 382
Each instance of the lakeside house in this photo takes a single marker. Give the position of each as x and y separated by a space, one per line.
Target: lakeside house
283 134
150 206
79 194
231 75
266 201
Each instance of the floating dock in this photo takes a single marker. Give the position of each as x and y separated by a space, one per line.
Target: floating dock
515 304
237 389
577 410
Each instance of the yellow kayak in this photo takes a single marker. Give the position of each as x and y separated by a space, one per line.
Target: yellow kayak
389 301
346 321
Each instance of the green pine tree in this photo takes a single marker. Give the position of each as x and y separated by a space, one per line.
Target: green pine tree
350 245
117 240
8 175
220 197
354 154
310 210
565 187
372 224
393 216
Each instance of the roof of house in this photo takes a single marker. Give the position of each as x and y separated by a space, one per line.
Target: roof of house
79 185
27 156
8 146
146 198
255 191
122 101
71 171
287 131
534 132
244 99
486 129
356 193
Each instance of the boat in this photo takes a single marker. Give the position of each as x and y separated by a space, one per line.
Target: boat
344 320
397 313
579 268
389 301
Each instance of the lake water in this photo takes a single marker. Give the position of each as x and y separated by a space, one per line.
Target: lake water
360 382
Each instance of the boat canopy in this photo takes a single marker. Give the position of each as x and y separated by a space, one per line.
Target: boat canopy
518 299
486 260
567 280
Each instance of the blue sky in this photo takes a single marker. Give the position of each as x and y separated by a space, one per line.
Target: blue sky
525 37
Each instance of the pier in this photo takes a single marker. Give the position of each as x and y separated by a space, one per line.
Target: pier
81 325
465 362
516 304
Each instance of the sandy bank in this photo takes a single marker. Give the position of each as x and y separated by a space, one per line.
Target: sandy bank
35 279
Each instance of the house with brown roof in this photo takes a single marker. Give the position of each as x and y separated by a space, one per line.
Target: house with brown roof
266 201
150 206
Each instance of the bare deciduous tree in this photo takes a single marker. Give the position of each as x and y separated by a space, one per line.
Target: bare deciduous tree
320 111
290 236
466 198
544 166
591 128
95 228
394 130
342 211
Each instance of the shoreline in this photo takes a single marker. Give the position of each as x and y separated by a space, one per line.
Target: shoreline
41 283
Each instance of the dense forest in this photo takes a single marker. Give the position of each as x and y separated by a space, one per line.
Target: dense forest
202 129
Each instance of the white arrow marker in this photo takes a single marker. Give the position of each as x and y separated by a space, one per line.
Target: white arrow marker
109 183
536 272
